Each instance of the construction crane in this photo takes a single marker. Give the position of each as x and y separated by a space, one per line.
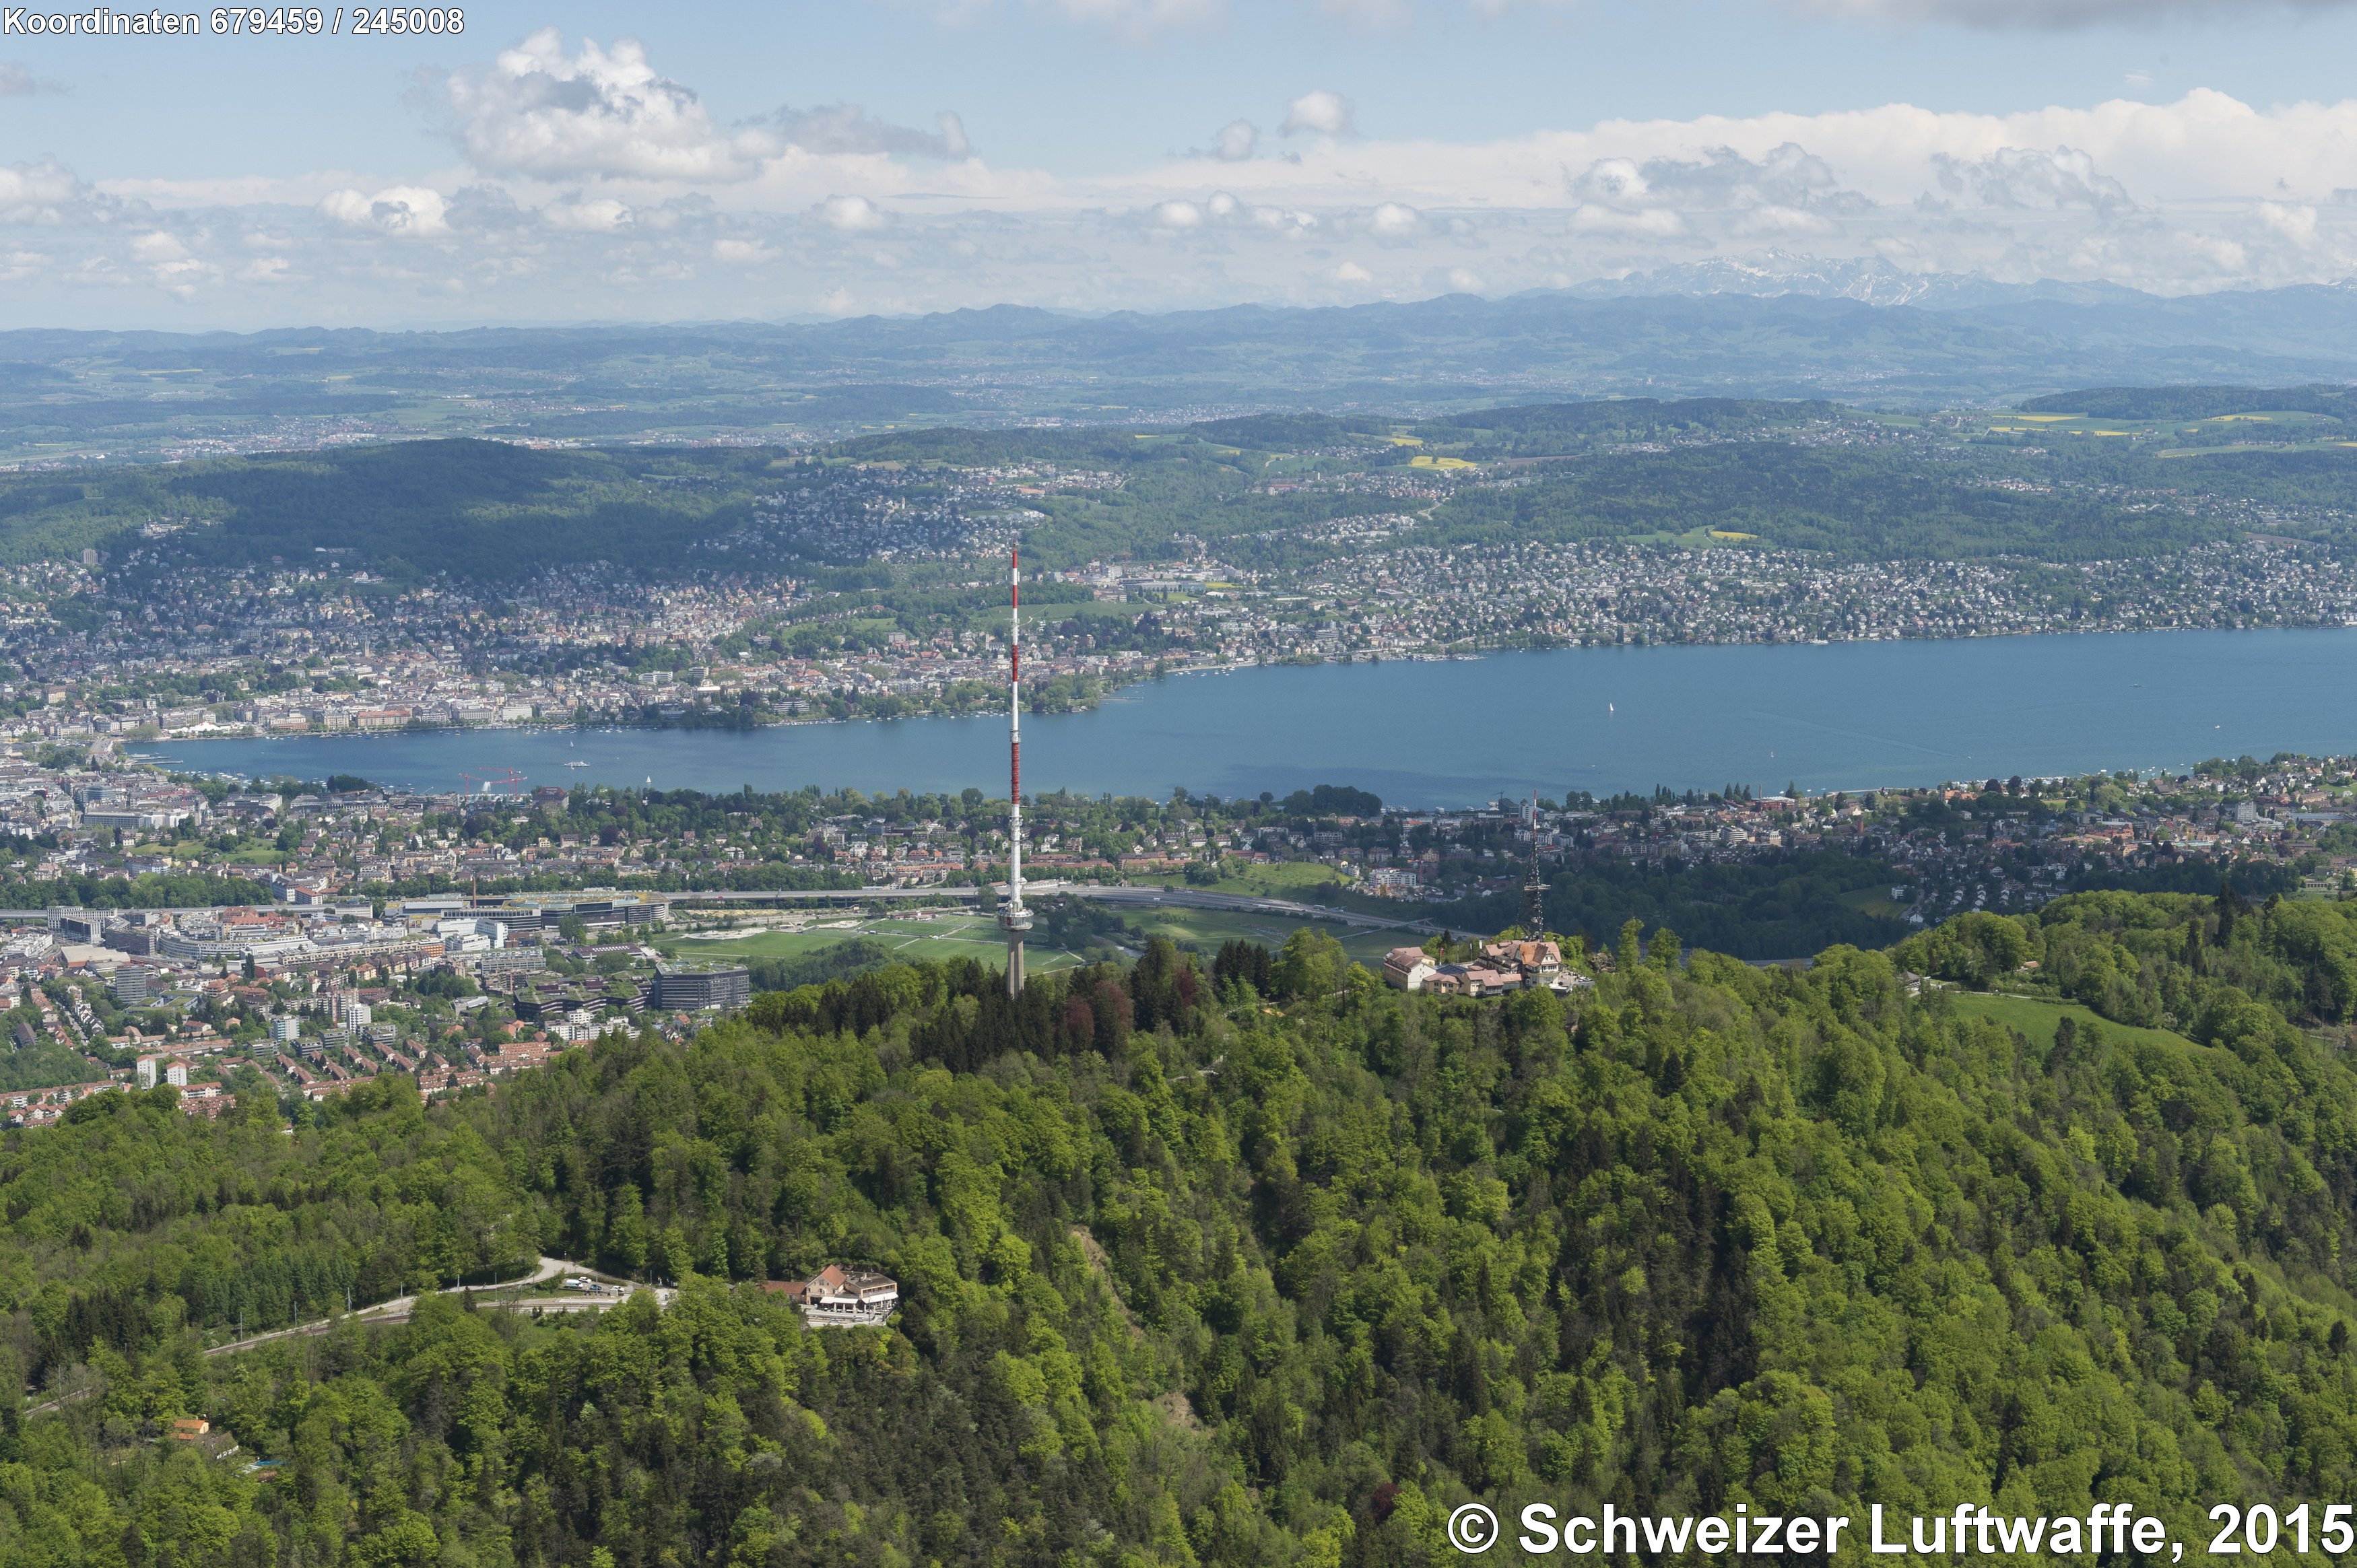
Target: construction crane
498 781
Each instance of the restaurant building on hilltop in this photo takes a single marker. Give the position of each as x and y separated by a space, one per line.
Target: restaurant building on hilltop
837 1298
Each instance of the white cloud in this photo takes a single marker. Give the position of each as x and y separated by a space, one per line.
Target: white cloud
2204 146
594 114
1649 222
2296 224
1615 182
1137 18
2019 176
1146 19
2229 258
50 194
1771 219
2057 16
1780 194
1369 12
407 209
17 81
851 214
1223 210
601 215
1287 223
1324 113
840 129
606 189
233 190
1788 190
168 264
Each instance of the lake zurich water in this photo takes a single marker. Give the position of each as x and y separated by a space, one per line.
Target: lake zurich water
1845 715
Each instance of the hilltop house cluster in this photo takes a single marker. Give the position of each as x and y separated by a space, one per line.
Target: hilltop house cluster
1502 966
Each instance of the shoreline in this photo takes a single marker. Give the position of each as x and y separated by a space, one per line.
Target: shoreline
1446 733
1110 693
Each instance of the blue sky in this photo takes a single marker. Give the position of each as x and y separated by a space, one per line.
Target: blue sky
597 161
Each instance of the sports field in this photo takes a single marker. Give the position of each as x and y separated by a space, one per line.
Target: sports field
978 936
912 937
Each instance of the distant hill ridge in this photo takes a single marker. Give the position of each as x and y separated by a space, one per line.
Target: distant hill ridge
1790 332
2197 401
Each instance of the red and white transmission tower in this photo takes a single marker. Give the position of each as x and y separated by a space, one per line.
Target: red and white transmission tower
1014 916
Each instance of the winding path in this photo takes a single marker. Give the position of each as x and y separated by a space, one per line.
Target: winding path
399 1308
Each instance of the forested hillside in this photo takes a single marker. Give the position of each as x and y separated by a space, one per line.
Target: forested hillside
476 509
1198 1275
1799 475
2191 401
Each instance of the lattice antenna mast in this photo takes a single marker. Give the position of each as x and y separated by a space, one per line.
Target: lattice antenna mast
1014 916
1533 890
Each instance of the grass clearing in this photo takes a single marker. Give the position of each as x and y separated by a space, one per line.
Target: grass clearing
763 944
2070 424
2274 430
1874 901
2245 448
2036 1020
1697 538
1205 929
1278 879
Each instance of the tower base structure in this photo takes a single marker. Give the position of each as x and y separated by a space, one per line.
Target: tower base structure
1015 920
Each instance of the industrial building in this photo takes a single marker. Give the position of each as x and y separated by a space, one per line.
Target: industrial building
701 988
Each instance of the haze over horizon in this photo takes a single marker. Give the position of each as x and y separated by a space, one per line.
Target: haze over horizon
600 162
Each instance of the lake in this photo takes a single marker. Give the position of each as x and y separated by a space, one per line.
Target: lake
1844 716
